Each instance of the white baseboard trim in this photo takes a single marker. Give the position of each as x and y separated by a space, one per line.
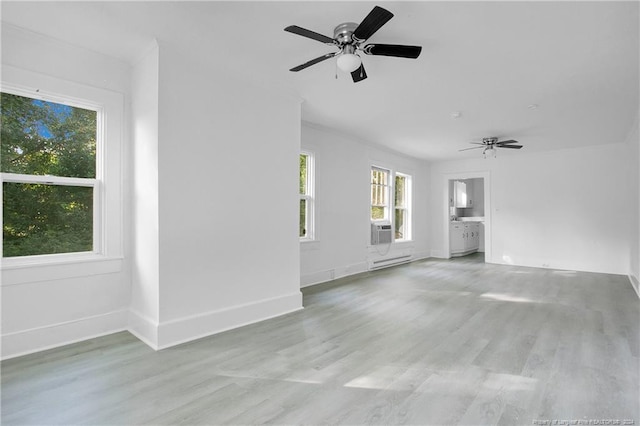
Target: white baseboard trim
308 280
318 277
527 263
157 336
635 284
421 255
182 330
439 254
38 339
144 328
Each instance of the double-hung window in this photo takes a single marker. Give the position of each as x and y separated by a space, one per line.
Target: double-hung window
379 194
402 210
395 209
49 185
306 197
61 177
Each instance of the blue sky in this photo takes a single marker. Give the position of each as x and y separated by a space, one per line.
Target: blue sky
61 111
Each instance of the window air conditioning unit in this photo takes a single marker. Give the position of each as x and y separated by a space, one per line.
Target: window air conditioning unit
381 233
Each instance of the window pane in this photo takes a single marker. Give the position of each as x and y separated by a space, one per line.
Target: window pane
303 218
303 173
46 219
400 191
46 138
400 217
378 177
377 213
378 195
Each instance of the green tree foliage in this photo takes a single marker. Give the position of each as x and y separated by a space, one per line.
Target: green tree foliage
303 191
45 138
378 194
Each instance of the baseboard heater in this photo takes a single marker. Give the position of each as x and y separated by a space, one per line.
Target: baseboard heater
383 263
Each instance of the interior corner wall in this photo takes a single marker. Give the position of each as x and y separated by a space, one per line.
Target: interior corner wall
40 312
228 200
145 275
343 202
633 157
566 209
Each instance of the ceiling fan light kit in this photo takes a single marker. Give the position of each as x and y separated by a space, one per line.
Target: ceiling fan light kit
348 61
492 152
348 37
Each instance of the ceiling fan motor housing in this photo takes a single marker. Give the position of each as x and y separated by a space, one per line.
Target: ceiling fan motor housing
343 33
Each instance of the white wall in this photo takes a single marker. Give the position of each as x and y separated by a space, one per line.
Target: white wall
211 207
228 161
633 156
343 201
144 314
478 198
566 209
48 306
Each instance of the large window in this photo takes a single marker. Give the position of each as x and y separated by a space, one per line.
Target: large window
49 185
401 218
379 194
383 183
306 197
61 176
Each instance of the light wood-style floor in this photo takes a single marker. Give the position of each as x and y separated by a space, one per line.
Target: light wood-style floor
432 342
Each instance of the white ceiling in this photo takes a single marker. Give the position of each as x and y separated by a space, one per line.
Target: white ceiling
578 61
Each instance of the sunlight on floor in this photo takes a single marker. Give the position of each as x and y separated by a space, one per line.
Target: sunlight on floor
569 273
385 377
506 298
292 379
510 382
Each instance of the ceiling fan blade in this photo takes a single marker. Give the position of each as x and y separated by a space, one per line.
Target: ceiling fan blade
510 146
309 34
313 62
473 147
359 74
397 50
372 23
506 142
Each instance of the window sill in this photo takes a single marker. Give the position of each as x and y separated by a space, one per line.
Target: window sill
49 268
403 242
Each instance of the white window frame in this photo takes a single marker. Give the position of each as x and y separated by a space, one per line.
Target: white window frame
93 183
387 194
390 208
309 197
107 185
406 208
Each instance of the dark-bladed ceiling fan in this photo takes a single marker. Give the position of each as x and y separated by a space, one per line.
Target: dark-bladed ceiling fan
491 144
348 37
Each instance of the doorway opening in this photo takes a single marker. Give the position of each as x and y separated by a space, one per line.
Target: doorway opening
467 218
